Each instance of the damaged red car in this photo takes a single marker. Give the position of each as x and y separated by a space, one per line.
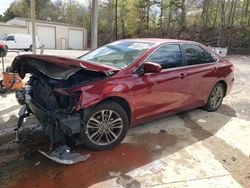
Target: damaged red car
94 99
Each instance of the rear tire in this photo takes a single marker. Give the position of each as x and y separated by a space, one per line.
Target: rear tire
215 98
105 126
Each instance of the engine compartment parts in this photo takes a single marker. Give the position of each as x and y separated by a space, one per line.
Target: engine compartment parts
65 155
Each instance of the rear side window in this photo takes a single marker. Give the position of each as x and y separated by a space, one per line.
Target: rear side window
210 58
195 55
168 56
10 38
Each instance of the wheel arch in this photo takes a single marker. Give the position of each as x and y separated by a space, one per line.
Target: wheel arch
224 83
122 102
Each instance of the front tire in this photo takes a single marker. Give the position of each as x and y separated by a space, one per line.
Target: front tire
105 126
215 98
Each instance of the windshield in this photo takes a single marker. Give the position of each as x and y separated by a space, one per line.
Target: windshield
118 54
2 37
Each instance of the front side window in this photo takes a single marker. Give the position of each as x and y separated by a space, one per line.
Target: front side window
194 54
118 54
10 38
168 56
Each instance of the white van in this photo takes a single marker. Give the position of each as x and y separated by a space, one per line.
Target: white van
19 41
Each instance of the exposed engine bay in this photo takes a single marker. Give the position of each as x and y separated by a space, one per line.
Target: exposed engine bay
48 95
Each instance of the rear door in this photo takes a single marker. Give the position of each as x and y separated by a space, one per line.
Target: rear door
158 93
201 71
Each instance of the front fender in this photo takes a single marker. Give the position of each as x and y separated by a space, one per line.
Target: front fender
93 94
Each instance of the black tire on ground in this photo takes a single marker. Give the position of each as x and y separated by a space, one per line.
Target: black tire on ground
215 98
30 49
118 120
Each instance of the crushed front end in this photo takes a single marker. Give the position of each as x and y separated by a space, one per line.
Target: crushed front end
55 112
50 96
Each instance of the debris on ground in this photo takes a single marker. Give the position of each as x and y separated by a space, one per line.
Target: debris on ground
65 155
125 180
163 131
37 163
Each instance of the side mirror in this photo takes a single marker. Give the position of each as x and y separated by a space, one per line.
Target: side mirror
151 67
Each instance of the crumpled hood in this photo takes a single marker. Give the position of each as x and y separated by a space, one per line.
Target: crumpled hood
53 66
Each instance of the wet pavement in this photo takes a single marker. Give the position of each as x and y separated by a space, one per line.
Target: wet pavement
190 149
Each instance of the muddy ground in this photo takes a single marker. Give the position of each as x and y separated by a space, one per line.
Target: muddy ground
190 149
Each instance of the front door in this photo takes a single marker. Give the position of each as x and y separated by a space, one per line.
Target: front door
10 42
158 93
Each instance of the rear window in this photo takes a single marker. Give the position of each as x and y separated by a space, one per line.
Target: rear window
195 55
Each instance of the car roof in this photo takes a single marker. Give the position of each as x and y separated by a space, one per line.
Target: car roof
160 40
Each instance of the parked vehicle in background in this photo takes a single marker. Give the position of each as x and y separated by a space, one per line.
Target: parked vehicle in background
94 99
19 41
3 50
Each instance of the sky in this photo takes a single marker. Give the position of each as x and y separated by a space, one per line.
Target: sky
4 4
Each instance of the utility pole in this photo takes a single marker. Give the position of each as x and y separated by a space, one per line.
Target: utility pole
33 22
94 24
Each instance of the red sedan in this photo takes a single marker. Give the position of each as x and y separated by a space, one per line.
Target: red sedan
94 99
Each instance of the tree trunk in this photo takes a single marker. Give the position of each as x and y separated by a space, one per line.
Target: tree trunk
170 13
161 14
242 12
222 15
230 13
148 9
246 8
183 15
204 13
233 13
161 20
210 12
222 23
123 27
216 14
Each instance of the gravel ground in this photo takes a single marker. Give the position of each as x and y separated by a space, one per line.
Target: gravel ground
190 149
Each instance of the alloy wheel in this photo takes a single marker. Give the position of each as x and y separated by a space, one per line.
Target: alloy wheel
104 127
216 97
